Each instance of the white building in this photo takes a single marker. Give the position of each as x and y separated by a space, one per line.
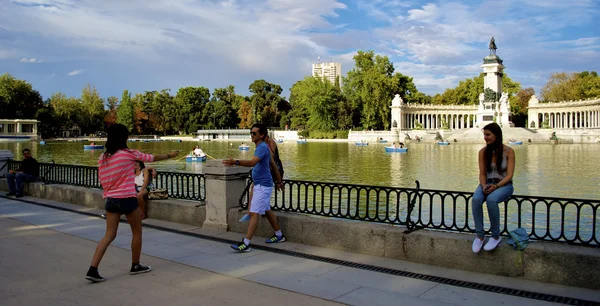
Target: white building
329 71
18 129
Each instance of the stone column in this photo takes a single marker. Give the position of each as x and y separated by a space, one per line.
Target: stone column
224 187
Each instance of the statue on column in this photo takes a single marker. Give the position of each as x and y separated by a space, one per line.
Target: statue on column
481 99
504 105
492 46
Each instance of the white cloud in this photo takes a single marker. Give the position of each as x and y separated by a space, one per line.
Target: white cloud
428 13
32 60
75 72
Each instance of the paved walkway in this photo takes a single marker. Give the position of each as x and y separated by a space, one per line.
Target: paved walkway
46 251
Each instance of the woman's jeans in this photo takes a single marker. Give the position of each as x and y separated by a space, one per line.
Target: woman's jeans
492 199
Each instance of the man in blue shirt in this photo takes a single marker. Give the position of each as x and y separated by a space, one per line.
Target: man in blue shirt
263 187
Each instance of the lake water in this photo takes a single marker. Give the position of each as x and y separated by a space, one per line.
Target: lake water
565 170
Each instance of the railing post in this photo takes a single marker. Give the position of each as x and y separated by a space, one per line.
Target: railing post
224 187
5 157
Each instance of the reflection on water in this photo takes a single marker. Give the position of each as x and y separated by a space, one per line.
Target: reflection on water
567 170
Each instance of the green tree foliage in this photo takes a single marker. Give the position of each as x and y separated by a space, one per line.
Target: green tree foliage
125 111
18 99
370 87
190 103
225 104
48 124
520 107
268 107
467 92
315 104
571 86
93 112
165 112
67 110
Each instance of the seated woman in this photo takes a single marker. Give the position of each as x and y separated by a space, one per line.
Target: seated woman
143 185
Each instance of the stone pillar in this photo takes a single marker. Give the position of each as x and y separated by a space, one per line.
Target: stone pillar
224 187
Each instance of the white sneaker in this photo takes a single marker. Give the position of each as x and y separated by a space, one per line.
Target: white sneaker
477 244
492 244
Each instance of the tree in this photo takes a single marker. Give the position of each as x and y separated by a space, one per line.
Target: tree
66 110
315 104
370 87
561 87
93 112
190 103
467 91
520 107
268 107
228 104
245 114
125 111
49 125
111 116
18 99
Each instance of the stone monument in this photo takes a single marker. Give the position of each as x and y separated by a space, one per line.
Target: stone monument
396 113
493 103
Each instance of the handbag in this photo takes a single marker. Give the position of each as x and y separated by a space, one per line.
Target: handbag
158 194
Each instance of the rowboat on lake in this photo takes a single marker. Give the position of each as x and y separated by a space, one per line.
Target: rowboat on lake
396 150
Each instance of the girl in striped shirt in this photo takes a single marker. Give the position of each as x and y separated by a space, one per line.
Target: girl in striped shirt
117 177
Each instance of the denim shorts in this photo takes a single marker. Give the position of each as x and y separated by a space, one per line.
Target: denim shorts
121 205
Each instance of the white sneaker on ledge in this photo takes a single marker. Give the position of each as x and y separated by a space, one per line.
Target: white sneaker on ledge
477 244
492 244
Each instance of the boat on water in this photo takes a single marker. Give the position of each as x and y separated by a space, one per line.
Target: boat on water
382 140
42 142
301 141
244 147
443 143
362 143
279 140
395 150
515 142
93 147
193 158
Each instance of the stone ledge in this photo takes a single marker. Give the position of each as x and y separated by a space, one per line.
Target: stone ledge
179 211
542 261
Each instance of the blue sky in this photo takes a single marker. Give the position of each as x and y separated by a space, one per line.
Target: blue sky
139 45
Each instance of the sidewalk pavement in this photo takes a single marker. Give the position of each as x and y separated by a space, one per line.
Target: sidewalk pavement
46 252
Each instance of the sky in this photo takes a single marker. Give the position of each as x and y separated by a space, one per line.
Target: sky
140 45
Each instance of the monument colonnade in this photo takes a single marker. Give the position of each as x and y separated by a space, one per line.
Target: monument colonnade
434 116
564 115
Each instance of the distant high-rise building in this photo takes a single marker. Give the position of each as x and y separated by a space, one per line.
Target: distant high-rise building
329 71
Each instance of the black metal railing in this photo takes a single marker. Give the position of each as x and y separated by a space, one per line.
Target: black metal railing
186 186
574 221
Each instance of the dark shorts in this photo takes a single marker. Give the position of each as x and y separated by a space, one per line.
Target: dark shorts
121 205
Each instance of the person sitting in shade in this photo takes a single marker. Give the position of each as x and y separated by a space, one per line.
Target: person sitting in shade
28 172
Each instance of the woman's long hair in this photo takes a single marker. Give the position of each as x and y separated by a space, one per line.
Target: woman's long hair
495 147
141 163
116 139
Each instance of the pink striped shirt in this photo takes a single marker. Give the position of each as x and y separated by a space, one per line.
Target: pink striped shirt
117 172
